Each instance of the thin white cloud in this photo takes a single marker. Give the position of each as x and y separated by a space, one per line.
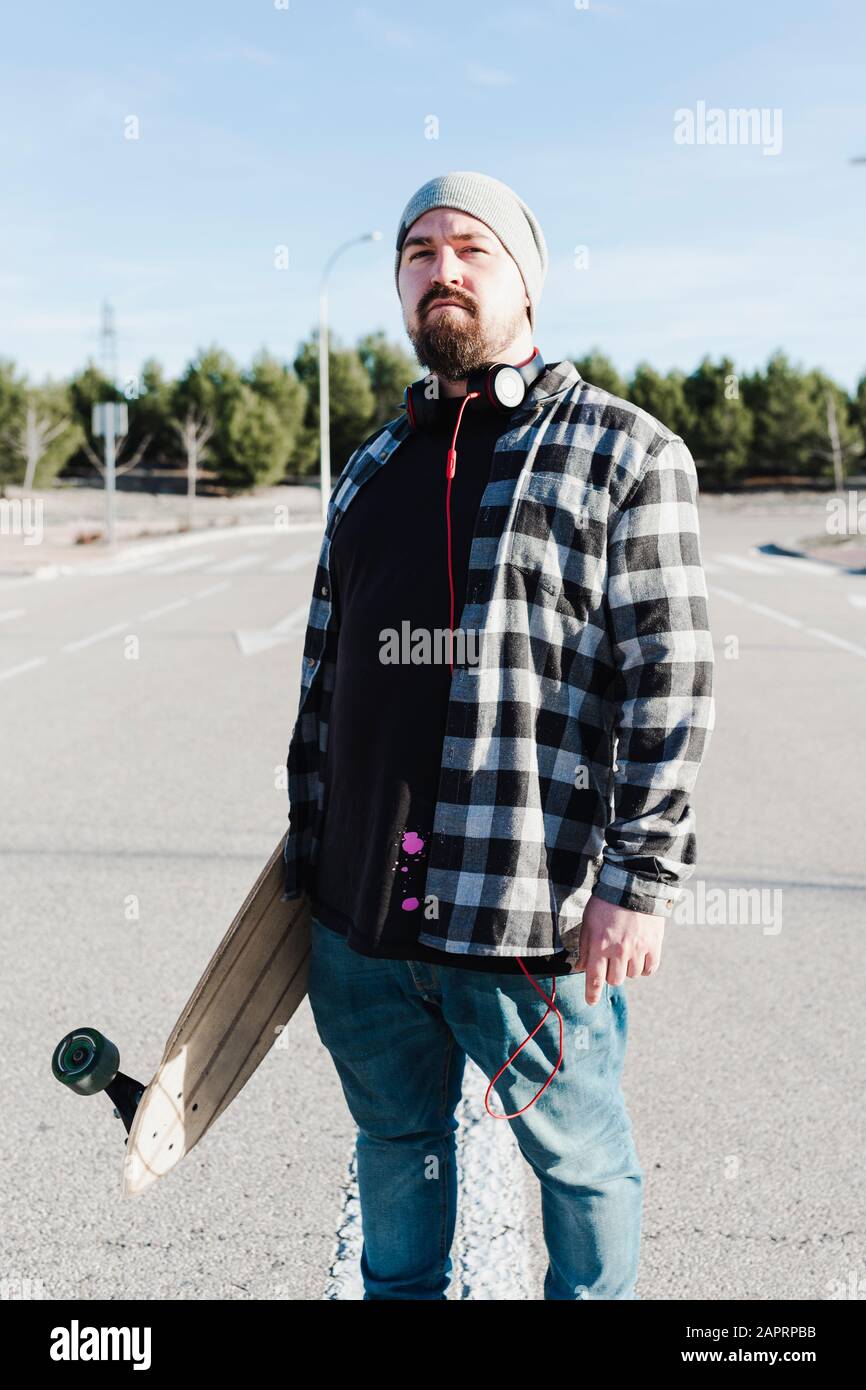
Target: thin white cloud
488 77
393 35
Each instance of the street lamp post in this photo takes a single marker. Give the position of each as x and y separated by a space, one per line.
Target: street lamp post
324 407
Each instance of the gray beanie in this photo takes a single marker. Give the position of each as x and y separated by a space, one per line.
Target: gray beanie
495 204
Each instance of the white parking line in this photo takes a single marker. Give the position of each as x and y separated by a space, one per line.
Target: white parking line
128 625
726 593
164 608
741 563
194 562
128 564
144 553
25 666
240 562
801 566
789 621
770 566
294 562
97 636
837 641
253 640
494 1219
214 589
774 613
183 602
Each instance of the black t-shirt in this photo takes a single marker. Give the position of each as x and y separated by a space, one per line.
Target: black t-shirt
389 567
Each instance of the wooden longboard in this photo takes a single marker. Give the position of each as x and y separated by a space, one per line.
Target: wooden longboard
249 991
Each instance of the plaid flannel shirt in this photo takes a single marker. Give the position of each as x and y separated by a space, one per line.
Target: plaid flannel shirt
571 748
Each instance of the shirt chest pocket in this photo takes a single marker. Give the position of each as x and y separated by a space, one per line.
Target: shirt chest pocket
558 536
556 609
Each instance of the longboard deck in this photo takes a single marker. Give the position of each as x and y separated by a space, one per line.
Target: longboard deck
253 984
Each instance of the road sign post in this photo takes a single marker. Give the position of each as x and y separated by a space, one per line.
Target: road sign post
110 419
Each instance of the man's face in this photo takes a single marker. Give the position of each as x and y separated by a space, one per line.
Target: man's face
448 255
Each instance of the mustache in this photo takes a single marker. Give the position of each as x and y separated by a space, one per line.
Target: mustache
447 294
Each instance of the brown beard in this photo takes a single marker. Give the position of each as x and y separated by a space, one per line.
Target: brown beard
452 345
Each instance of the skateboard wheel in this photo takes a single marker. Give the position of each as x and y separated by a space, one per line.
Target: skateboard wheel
85 1061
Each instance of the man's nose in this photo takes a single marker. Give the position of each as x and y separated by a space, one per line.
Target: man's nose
446 268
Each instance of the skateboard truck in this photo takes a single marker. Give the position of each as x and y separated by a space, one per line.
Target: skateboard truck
87 1063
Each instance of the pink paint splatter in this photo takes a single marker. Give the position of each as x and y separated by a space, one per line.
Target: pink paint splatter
409 904
412 843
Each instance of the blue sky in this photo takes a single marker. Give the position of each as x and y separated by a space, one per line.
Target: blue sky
303 126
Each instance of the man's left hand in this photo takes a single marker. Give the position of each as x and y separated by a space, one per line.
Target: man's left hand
614 943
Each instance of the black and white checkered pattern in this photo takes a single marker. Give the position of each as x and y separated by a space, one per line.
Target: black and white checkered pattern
572 746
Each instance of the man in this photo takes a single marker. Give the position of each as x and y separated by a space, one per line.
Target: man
466 829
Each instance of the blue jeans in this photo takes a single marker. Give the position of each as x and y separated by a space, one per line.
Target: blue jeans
399 1033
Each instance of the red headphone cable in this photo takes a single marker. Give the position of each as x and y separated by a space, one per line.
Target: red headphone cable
450 470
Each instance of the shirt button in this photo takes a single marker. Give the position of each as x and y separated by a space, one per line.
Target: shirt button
324 588
310 660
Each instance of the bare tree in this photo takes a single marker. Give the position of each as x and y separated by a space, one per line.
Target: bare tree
839 450
194 430
31 440
835 442
121 441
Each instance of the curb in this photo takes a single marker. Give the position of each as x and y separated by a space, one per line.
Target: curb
794 551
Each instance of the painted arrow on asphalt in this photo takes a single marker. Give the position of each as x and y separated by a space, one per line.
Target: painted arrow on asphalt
252 640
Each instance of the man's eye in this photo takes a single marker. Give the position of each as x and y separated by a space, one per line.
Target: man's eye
416 254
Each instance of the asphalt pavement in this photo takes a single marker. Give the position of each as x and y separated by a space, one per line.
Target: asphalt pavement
147 701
